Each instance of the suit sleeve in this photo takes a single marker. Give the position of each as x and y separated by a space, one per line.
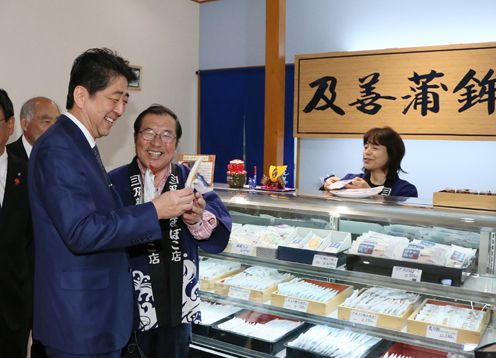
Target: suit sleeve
84 211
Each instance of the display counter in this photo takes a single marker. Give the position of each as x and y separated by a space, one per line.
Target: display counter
320 219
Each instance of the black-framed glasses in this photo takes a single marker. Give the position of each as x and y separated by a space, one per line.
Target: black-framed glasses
149 134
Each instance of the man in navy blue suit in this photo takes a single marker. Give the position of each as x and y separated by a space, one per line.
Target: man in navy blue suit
83 292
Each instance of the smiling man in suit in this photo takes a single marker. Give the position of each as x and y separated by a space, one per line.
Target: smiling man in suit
16 251
83 292
37 115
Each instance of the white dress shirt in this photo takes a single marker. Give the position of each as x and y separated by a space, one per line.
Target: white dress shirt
86 132
27 147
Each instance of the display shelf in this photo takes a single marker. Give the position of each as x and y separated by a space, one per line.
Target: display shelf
390 335
323 211
205 344
479 288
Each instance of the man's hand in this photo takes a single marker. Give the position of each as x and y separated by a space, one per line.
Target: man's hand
194 215
174 203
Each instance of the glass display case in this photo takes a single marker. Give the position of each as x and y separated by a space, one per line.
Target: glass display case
472 285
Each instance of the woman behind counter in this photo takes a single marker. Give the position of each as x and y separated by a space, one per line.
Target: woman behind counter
383 150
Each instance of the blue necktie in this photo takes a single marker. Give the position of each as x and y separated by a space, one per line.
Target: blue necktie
100 163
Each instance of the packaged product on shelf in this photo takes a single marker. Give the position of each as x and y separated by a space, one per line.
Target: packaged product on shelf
379 245
460 257
258 240
378 307
310 296
212 270
271 238
313 241
243 241
426 252
326 341
400 350
261 332
255 283
451 322
212 313
316 247
438 254
432 262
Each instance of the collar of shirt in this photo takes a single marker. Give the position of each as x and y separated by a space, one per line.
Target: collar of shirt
27 147
160 187
86 132
3 174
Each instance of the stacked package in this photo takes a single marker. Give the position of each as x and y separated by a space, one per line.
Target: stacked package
421 251
333 342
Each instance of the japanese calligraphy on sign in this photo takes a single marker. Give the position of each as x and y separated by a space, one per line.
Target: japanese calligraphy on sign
443 92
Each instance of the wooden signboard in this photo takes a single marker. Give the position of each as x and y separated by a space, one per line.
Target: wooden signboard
443 92
207 165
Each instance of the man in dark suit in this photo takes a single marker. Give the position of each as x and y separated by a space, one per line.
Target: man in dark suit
16 244
37 115
83 292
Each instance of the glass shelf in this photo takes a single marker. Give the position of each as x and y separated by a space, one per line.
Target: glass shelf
390 335
324 211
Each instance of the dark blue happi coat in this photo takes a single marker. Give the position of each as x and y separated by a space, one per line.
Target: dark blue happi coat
155 282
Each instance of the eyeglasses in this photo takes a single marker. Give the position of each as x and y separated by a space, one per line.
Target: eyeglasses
149 135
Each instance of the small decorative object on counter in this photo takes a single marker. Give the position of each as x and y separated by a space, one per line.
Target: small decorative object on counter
236 173
252 182
276 178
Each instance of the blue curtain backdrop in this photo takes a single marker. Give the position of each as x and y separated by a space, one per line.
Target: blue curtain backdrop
232 119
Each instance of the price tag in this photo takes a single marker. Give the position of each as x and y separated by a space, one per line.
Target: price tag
444 334
295 304
242 249
406 273
369 319
325 261
237 292
456 355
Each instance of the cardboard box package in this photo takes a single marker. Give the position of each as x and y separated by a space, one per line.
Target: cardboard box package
320 308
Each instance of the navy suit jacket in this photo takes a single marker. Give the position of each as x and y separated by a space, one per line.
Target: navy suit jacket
83 293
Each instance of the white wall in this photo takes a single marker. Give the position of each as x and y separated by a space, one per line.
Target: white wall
40 40
232 33
314 26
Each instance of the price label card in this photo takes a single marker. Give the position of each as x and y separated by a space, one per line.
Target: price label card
325 261
441 333
456 355
369 319
237 292
242 249
295 304
406 273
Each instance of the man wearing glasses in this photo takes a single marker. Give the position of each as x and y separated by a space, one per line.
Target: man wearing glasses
165 273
